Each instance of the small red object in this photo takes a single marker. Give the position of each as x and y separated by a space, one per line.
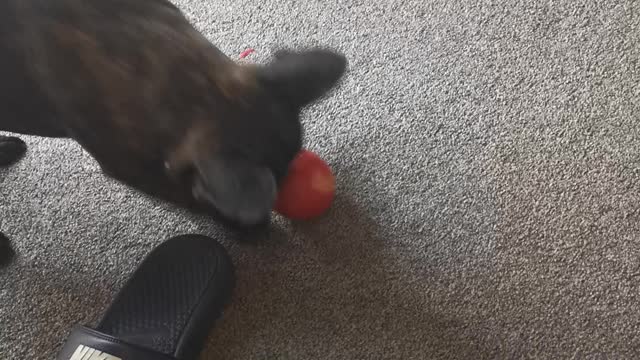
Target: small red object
246 53
308 189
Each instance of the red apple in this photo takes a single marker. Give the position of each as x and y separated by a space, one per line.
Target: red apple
308 189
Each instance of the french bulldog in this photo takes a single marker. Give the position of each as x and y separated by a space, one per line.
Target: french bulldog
156 104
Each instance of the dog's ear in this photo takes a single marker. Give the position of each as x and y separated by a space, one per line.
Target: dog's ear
242 192
303 77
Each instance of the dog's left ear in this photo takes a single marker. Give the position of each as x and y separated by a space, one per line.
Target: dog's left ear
242 192
303 77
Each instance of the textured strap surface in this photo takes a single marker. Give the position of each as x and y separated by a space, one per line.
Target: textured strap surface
87 344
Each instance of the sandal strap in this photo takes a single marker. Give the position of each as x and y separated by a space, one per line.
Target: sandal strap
88 344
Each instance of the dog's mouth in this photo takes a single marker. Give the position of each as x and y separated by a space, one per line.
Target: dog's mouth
200 192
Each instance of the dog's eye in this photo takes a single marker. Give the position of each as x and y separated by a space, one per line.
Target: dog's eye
183 173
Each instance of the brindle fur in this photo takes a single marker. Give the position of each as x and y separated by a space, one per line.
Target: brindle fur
155 103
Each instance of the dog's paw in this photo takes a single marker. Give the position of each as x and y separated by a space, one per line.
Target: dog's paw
6 252
11 150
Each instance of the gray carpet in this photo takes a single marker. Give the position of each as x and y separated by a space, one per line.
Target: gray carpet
488 162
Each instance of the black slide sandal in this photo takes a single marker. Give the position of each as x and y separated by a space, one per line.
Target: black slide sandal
165 310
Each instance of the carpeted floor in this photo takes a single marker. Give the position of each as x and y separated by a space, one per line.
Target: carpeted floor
488 160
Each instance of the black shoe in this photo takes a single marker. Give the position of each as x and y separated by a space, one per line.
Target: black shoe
166 309
11 150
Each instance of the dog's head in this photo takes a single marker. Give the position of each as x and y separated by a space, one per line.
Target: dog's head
257 133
